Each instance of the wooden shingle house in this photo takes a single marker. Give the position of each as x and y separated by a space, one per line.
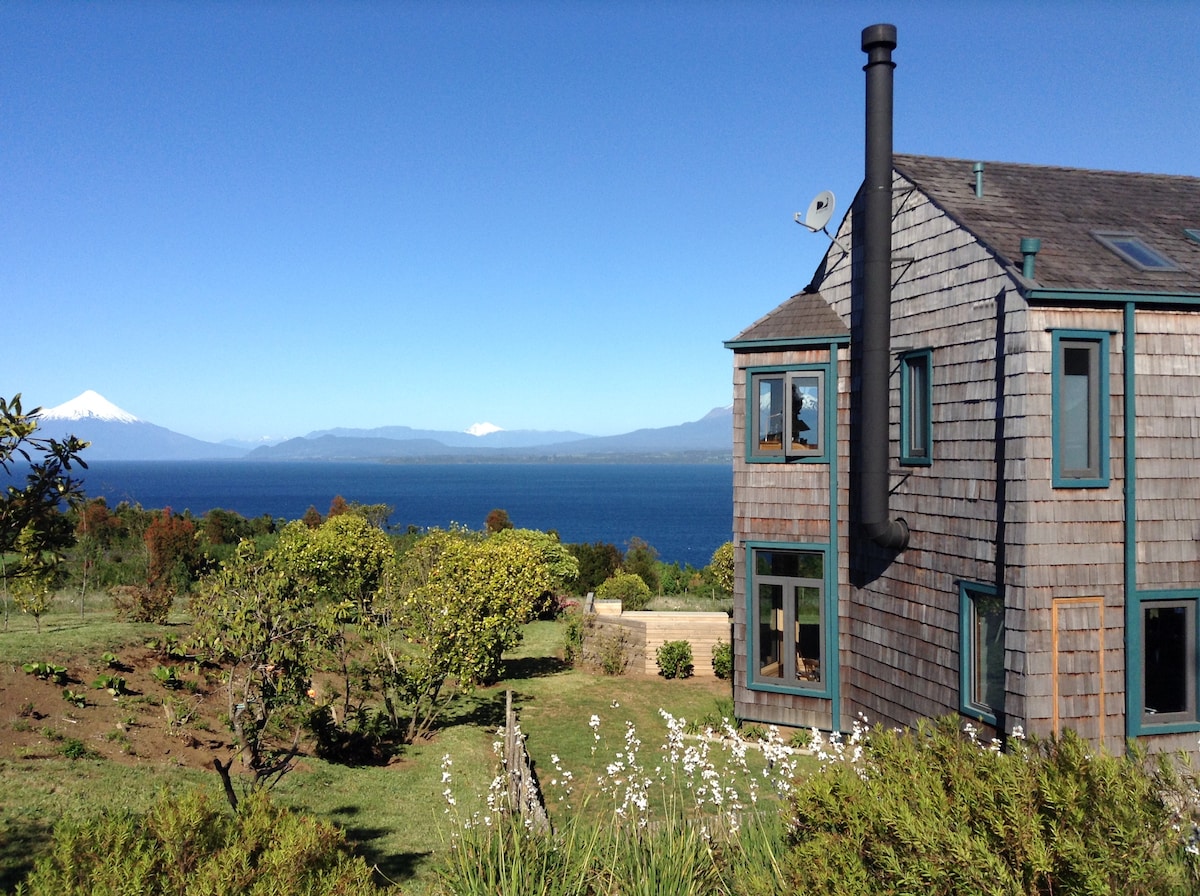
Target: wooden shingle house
967 455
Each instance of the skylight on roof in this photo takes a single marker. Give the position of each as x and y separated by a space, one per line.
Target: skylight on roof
1192 233
1133 249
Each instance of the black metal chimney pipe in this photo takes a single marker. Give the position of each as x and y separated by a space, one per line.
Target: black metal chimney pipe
878 41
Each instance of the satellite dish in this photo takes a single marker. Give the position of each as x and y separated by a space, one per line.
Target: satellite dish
820 210
816 219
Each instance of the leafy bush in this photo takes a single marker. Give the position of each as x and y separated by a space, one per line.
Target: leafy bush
722 660
628 588
141 603
939 812
612 653
190 845
674 659
575 625
74 748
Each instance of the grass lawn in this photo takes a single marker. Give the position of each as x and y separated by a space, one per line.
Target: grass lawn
395 814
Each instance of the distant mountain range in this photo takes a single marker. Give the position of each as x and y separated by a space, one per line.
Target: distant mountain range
116 434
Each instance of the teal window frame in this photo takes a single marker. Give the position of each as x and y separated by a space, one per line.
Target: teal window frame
1066 428
973 700
788 377
916 408
792 680
1149 719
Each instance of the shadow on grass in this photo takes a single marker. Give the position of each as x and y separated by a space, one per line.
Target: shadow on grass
533 667
19 849
395 868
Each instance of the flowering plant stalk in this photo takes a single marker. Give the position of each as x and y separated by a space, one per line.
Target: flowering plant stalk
687 819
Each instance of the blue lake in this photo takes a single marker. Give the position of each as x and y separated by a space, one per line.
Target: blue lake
685 511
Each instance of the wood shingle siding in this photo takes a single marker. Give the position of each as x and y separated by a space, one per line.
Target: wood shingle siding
985 515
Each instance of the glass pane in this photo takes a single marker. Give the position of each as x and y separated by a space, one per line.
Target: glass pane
1165 654
810 566
789 564
770 631
808 633
918 420
806 414
770 413
988 651
1075 398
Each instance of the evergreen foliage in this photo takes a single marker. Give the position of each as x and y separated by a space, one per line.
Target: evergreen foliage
936 811
191 846
674 659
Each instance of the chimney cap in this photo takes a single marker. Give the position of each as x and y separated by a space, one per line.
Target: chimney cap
884 34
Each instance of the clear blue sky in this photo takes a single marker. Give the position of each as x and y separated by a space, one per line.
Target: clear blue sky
248 219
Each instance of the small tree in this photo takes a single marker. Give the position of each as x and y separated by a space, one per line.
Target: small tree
720 567
460 602
251 616
34 531
597 562
339 567
497 520
375 514
642 560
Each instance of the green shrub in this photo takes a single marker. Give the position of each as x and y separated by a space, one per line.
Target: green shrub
722 660
674 659
934 811
74 748
628 588
612 651
574 627
194 845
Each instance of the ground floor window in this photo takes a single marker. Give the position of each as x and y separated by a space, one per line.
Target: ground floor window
787 591
1168 661
981 653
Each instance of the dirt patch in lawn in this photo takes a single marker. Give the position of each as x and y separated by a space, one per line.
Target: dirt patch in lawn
148 721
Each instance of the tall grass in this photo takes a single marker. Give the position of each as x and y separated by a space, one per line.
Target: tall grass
698 816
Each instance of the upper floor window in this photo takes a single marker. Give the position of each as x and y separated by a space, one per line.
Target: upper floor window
1079 395
916 407
786 414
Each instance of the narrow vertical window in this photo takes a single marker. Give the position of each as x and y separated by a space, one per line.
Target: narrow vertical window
1168 662
1080 409
916 408
981 644
805 413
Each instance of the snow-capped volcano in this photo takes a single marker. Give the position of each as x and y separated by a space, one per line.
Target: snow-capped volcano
483 429
89 405
115 434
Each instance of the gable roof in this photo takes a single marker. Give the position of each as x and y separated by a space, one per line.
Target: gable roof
805 315
1063 207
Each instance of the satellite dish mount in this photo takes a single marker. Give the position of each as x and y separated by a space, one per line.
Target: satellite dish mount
816 219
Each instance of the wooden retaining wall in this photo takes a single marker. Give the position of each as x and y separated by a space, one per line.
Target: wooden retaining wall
647 630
